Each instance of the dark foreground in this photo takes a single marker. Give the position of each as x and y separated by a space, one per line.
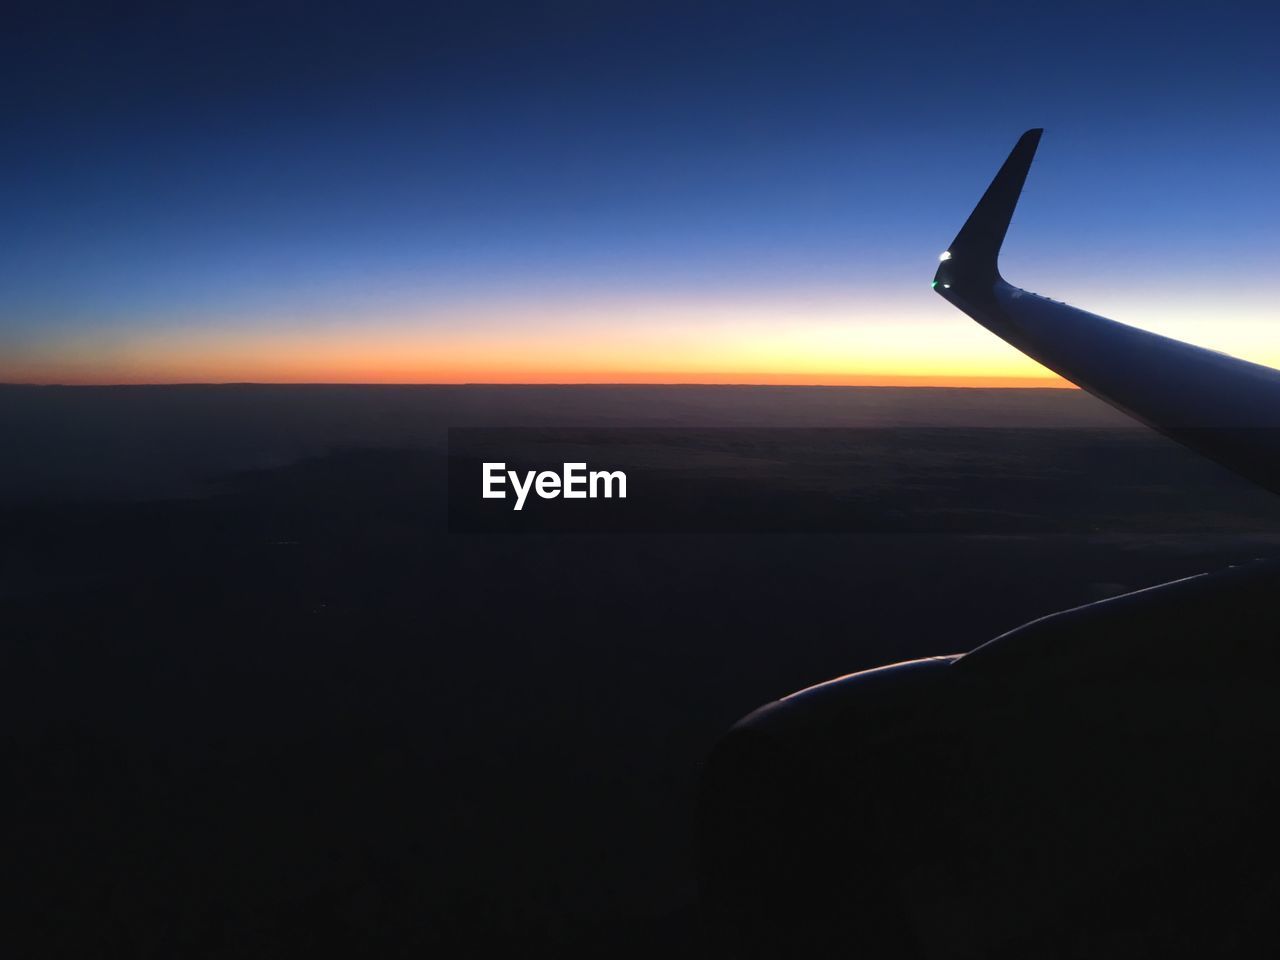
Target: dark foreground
258 702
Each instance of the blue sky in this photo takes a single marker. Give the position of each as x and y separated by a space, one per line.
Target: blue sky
595 185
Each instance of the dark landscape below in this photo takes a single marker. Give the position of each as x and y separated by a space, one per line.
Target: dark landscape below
260 701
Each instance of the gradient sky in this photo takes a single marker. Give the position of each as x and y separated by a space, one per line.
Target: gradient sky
596 191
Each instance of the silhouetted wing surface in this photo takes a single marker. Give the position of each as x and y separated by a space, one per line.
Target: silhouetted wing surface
1222 407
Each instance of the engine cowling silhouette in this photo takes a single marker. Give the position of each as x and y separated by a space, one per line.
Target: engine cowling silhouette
1100 782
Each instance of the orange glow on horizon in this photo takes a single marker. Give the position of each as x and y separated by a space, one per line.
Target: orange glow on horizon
685 350
658 378
799 342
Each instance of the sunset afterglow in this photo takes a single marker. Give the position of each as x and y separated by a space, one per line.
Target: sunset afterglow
365 212
794 341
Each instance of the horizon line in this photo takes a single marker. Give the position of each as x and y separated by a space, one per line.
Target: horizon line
748 380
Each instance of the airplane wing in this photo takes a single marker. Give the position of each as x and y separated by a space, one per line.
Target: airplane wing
1099 782
1222 407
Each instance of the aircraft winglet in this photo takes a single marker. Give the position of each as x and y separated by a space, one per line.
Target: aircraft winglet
1222 407
973 254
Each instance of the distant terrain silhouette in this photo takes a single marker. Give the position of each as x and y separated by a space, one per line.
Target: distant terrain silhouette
258 701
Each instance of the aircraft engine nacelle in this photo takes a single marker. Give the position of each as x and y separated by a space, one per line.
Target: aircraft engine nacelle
1096 783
